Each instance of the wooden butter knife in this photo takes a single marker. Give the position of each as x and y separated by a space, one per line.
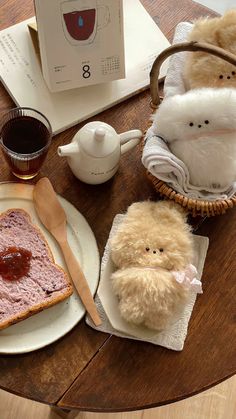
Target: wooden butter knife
53 217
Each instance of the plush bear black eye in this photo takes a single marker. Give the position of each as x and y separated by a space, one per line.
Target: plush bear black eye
154 251
221 76
233 73
147 249
191 124
161 250
206 122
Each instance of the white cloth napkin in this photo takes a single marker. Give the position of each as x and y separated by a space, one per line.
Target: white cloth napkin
107 304
174 81
157 157
164 165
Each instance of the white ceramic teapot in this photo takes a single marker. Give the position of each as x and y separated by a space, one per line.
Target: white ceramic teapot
95 151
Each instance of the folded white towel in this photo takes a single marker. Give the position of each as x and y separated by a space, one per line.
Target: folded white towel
157 157
164 165
174 81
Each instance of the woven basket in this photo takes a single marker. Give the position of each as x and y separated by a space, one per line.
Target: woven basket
194 206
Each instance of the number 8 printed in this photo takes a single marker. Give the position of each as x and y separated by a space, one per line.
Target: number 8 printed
86 71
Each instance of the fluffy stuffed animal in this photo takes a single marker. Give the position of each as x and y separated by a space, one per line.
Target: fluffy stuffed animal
200 129
205 70
152 250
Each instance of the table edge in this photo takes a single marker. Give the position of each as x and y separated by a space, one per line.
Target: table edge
81 408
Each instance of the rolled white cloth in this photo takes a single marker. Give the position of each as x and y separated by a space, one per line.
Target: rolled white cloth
164 165
174 81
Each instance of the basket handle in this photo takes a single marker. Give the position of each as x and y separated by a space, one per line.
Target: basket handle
183 46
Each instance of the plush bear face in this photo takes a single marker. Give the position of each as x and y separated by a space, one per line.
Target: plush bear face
153 235
203 69
208 71
200 113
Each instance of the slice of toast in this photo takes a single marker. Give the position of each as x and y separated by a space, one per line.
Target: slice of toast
45 283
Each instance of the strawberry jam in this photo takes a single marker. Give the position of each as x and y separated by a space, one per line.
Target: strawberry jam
14 263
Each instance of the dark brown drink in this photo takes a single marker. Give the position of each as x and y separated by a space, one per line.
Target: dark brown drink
25 142
80 24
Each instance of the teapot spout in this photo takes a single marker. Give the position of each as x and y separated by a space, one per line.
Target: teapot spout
68 150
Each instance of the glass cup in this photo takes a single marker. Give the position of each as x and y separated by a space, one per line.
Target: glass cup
25 139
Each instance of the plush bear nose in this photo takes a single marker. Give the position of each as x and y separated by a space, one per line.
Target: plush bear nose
154 251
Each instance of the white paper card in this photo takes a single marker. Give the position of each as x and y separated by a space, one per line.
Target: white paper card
81 42
21 74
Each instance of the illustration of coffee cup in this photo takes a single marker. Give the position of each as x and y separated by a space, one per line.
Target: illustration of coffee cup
81 19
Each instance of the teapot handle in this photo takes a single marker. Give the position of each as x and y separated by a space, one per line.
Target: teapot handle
130 139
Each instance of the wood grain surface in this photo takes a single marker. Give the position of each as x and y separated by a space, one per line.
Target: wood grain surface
97 372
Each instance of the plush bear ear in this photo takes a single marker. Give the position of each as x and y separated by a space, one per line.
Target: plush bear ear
176 207
169 212
225 34
139 209
156 211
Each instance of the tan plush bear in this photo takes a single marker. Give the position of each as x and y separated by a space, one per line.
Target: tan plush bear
205 70
153 251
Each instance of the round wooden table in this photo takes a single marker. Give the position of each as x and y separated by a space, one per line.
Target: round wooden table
93 371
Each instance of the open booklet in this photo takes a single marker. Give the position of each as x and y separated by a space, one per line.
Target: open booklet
20 71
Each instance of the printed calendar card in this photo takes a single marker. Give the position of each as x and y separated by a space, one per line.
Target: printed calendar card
81 42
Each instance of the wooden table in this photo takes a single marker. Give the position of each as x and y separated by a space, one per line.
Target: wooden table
93 371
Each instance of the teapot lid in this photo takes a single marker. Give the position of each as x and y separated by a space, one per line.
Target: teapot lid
98 139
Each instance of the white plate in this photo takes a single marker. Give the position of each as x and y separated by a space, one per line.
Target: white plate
46 327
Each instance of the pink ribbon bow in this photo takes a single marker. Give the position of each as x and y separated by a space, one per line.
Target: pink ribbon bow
188 278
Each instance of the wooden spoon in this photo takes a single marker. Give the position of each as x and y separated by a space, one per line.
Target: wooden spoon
53 217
